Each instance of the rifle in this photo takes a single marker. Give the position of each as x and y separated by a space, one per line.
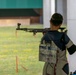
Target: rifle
36 30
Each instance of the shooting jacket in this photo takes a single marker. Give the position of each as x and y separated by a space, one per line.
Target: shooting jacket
64 44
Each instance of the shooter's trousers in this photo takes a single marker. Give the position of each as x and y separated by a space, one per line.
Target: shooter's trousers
60 68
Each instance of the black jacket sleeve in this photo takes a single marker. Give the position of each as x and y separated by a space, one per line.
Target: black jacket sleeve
72 49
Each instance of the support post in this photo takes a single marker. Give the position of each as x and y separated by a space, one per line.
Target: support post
71 26
48 10
16 64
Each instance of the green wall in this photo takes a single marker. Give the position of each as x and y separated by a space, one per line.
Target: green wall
17 12
21 4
